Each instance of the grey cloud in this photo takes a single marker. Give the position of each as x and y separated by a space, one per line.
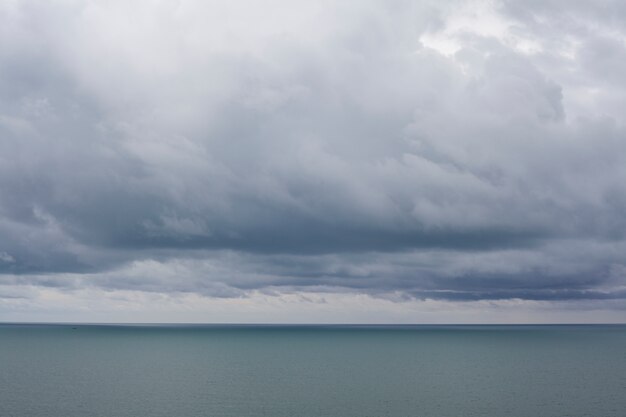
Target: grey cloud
305 154
553 272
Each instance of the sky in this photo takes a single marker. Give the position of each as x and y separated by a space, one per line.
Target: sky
313 162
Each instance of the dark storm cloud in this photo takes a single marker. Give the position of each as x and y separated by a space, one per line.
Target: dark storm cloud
166 148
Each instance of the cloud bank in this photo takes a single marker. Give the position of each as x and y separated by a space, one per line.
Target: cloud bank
467 152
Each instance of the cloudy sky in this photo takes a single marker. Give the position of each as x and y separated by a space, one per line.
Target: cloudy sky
328 161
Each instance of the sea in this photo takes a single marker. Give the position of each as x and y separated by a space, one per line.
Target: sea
312 371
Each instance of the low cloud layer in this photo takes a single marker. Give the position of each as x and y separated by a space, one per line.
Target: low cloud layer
398 150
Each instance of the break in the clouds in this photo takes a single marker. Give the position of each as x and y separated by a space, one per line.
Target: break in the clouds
449 152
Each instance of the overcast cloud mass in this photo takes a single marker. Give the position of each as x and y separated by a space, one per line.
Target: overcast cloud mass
313 161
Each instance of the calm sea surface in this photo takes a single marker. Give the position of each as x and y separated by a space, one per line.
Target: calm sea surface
301 371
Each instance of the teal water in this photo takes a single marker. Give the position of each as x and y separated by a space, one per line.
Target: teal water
302 371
